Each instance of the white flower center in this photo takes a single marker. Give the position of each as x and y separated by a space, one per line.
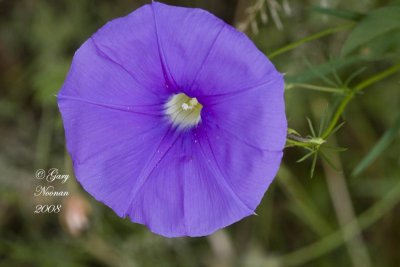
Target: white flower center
183 111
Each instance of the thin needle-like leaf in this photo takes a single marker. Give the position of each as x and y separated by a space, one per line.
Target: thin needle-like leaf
337 128
335 148
322 122
311 127
353 76
335 74
319 74
314 163
305 156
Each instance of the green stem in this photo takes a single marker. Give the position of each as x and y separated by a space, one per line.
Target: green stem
296 143
359 87
313 37
337 115
316 88
307 142
377 77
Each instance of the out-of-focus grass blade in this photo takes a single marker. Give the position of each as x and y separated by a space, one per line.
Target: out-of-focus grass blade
382 144
304 206
339 13
329 161
374 25
336 148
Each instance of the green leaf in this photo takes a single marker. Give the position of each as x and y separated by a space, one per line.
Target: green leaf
388 44
339 13
374 25
324 69
377 150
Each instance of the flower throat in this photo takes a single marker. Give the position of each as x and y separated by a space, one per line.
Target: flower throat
183 111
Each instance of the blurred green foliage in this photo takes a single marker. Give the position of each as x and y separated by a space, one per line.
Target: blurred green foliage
343 217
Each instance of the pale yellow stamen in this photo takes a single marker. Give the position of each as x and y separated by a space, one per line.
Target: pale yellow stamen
183 111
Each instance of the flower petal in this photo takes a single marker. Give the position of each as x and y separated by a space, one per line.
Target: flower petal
186 36
95 79
132 43
234 64
256 117
109 149
248 170
186 194
113 127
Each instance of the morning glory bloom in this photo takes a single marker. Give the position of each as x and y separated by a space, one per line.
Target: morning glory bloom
174 119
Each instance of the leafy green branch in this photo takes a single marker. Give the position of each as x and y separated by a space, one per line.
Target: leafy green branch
315 144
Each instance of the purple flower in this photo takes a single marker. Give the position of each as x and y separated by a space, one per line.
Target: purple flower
174 119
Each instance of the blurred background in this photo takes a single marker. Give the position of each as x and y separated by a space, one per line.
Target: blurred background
347 214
